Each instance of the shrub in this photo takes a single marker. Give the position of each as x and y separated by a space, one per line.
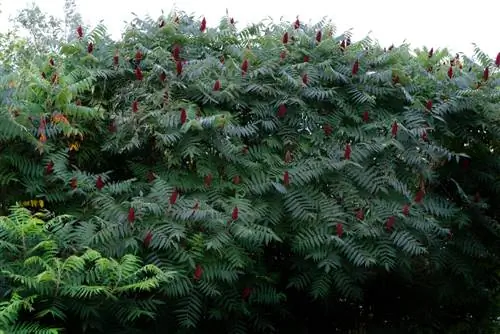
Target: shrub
270 168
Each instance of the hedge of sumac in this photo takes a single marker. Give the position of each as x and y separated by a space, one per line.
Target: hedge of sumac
275 178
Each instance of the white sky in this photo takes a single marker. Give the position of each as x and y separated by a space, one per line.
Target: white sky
434 23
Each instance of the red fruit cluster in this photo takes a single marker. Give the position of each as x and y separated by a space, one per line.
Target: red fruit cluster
79 31
173 197
286 178
216 87
183 116
99 183
244 67
235 213
282 110
198 271
340 230
347 152
131 215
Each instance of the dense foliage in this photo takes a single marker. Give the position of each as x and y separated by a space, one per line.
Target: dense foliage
276 178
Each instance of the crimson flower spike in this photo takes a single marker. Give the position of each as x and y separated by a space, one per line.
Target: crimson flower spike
318 36
296 24
285 38
340 230
216 87
79 31
355 67
347 152
486 74
203 25
235 213
244 67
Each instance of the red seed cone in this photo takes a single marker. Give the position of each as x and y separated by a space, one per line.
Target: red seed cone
51 62
173 197
342 45
406 210
306 59
99 183
131 215
366 117
231 20
235 213
347 152
151 176
236 179
138 56
183 116
428 105
208 180
286 178
419 196
147 239
431 52
216 87
198 272
135 106
244 67
79 31
90 47
355 68
282 110
318 36
285 38
49 169
486 74
340 230
163 77
296 24
389 224
283 55
73 183
245 294
138 74
116 59
203 25
424 136
305 79
176 51
394 130
450 72
497 60
360 215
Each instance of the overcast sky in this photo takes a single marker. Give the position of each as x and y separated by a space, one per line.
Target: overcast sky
434 23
